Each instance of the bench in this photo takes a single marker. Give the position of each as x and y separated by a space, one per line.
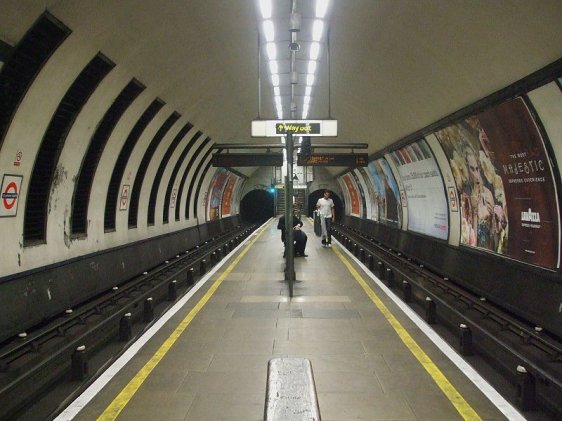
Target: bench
290 394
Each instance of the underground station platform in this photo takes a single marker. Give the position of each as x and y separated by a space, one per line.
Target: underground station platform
237 346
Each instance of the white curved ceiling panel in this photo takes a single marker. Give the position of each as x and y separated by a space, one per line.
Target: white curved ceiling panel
396 65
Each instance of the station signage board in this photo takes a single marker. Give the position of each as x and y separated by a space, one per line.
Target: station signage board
227 160
333 160
280 128
9 196
297 128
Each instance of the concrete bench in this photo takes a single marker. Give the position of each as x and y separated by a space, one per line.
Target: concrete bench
290 394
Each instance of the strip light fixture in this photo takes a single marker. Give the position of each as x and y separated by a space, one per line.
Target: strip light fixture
276 55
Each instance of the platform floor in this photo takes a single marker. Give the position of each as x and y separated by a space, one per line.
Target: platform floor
369 359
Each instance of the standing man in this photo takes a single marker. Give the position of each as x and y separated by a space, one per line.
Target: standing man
327 214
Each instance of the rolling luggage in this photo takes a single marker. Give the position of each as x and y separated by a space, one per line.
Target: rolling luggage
317 224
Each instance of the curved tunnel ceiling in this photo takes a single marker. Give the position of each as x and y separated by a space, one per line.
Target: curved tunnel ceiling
396 65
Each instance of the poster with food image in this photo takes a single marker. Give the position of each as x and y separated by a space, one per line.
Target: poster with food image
424 189
508 197
353 195
387 195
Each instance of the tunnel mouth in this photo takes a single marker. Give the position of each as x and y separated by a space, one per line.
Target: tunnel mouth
257 206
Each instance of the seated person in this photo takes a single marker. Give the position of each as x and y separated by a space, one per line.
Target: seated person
299 236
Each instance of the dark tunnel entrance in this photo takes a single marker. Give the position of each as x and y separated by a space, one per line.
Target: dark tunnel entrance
257 206
317 194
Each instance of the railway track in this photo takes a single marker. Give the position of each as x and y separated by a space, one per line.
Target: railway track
527 356
58 350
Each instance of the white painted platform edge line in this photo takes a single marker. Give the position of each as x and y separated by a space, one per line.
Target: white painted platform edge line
81 401
486 388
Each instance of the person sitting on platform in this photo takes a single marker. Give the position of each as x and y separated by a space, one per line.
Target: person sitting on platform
299 237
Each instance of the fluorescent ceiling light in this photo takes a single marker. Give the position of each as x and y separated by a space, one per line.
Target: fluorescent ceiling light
265 8
306 100
275 80
276 91
321 8
271 50
268 30
309 80
314 50
311 67
304 115
308 91
273 67
317 29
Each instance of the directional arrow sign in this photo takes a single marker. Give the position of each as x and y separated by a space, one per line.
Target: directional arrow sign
279 128
307 128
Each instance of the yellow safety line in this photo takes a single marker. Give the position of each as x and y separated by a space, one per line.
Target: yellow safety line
119 403
464 409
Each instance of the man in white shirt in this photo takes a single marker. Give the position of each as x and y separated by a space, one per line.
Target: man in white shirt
327 214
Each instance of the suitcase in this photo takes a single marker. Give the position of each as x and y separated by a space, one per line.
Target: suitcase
317 224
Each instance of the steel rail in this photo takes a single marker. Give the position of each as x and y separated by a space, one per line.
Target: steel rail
507 341
94 323
484 307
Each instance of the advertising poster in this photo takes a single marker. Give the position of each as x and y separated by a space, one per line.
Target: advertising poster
215 193
238 188
370 194
362 192
387 195
346 199
355 209
226 202
508 197
425 192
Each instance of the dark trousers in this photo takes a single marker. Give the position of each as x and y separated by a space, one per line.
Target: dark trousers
328 222
300 241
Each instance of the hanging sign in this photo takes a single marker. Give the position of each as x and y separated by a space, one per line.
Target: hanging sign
297 128
333 160
227 160
280 128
